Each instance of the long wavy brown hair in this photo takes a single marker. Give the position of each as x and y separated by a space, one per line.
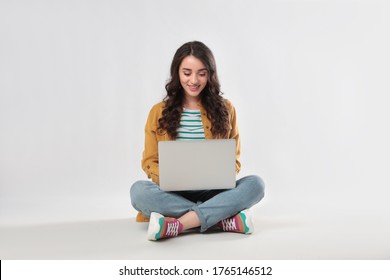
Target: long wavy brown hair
210 97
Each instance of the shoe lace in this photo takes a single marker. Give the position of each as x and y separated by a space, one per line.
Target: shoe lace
172 229
229 224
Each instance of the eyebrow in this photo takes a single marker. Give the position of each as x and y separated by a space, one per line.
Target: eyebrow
187 69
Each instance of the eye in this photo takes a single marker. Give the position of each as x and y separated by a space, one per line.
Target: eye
187 74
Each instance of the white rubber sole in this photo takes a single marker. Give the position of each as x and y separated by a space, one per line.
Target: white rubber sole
248 220
154 225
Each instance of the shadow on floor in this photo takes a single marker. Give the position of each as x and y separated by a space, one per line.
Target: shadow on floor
123 239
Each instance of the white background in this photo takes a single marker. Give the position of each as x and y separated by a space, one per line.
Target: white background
309 79
281 270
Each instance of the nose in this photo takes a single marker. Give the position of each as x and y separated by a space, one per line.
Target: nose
194 79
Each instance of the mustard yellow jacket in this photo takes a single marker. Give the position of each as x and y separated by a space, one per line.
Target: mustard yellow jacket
153 135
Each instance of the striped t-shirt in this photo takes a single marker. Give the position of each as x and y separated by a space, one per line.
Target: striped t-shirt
191 126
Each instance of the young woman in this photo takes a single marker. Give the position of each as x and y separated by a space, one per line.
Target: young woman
193 93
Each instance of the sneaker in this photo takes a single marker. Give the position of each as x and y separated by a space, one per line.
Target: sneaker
161 227
242 223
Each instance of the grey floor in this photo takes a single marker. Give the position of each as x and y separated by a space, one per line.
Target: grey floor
283 230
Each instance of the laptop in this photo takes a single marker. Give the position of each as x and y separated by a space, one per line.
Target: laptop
197 164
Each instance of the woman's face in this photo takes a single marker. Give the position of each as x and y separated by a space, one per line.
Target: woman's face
193 76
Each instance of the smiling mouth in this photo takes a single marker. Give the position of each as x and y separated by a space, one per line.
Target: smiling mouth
193 88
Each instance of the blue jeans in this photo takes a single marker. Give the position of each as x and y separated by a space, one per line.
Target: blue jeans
211 206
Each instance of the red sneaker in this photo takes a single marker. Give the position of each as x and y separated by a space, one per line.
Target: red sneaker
162 227
242 223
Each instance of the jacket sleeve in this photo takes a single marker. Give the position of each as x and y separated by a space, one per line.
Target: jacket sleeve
150 153
234 133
